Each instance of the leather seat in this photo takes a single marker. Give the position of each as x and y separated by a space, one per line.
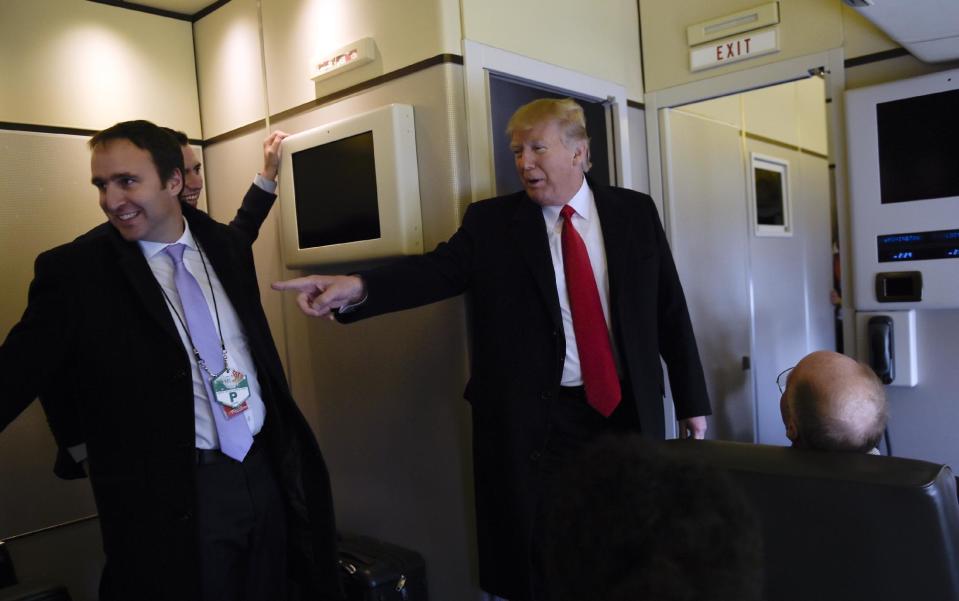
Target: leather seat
844 526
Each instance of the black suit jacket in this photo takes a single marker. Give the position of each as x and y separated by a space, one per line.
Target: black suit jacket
63 419
500 255
98 331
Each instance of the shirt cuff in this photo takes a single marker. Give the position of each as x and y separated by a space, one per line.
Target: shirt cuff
350 308
78 452
265 184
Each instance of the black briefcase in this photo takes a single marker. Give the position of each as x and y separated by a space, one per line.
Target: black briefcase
10 590
373 570
27 592
8 577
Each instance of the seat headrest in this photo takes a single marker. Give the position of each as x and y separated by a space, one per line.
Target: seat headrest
844 525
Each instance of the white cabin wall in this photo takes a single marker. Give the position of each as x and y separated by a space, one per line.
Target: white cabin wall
922 420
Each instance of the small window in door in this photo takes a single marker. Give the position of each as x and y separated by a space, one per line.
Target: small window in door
770 192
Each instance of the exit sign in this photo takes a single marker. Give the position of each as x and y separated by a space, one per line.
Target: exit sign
732 50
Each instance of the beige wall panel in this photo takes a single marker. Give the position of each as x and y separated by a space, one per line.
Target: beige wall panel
630 52
807 27
811 107
47 201
771 112
229 68
861 37
451 30
297 31
229 169
600 39
88 65
727 110
385 396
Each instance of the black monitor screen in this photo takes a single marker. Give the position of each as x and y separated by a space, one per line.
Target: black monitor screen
336 198
918 149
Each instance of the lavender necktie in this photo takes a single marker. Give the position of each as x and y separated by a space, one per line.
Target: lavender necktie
234 434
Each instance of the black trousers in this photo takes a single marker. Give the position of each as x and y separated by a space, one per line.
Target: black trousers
241 528
573 425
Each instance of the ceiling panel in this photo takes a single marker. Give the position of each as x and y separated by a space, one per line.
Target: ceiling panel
185 7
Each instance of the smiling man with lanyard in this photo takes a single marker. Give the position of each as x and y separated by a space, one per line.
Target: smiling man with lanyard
208 480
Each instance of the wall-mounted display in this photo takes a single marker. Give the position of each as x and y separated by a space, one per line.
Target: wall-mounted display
904 187
349 190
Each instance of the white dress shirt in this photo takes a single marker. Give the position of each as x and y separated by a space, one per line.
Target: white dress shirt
234 338
586 223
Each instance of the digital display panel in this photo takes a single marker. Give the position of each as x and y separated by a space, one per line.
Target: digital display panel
918 246
336 195
918 149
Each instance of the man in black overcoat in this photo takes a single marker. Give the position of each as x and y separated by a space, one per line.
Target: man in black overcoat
534 402
104 332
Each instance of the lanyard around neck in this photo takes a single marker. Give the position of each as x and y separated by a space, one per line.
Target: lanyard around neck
216 312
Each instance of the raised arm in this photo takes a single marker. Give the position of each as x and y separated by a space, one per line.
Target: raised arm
260 197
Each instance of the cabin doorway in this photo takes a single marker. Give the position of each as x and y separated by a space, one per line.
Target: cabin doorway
749 200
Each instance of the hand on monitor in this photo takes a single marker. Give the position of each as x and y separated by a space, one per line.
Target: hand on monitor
271 154
320 295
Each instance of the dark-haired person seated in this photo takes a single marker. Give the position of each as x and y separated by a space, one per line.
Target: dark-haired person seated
833 403
629 524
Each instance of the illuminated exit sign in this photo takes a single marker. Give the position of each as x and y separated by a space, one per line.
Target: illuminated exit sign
733 50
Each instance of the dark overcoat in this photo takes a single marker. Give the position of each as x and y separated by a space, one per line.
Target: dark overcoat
500 256
99 344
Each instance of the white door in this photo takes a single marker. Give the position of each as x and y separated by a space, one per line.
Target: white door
758 294
707 228
791 279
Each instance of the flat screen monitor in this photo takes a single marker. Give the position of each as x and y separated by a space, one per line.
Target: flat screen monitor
903 157
919 147
349 190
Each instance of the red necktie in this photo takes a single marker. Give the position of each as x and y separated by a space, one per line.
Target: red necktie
589 325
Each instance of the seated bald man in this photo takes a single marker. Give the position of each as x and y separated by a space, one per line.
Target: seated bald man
832 402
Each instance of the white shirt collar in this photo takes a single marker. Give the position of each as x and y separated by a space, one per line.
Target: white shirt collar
151 249
580 203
